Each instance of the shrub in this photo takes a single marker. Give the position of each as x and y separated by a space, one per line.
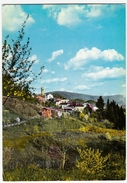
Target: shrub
81 115
86 117
116 167
91 163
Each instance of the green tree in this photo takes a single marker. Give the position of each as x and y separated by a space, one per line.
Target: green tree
100 103
16 66
115 114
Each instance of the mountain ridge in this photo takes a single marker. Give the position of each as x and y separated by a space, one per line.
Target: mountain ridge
119 99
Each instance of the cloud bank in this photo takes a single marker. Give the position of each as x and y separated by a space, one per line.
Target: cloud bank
105 73
13 16
85 55
71 15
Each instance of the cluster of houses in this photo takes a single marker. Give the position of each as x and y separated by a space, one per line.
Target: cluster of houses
62 106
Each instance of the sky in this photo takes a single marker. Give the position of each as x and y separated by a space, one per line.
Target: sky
81 46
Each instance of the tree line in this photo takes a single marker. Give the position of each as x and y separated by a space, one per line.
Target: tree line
111 111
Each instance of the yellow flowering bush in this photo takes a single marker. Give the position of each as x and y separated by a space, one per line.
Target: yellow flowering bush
91 161
81 115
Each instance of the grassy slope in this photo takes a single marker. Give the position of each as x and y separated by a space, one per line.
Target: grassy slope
24 143
70 126
20 108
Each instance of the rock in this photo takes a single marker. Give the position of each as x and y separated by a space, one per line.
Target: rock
17 120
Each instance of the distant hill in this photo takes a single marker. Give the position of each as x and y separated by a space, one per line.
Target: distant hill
119 99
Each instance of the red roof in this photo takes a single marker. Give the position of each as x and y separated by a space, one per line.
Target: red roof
47 108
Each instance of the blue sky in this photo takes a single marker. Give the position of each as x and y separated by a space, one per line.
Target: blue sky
82 46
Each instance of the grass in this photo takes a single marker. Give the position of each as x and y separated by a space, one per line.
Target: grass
9 116
41 125
22 109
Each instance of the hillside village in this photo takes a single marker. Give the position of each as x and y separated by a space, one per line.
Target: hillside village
59 106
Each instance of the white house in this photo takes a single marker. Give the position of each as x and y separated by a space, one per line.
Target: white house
79 108
58 101
63 105
61 101
49 96
64 100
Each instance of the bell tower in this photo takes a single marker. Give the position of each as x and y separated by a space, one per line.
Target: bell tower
42 91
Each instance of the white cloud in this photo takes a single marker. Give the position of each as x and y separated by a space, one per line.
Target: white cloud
89 86
70 15
82 87
124 85
85 55
95 10
66 15
111 55
45 70
34 57
55 54
54 80
13 16
48 71
105 73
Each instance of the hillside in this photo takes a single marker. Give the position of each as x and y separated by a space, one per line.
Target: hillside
48 149
119 99
23 109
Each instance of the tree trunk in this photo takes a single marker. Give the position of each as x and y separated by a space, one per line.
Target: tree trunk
63 160
5 100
